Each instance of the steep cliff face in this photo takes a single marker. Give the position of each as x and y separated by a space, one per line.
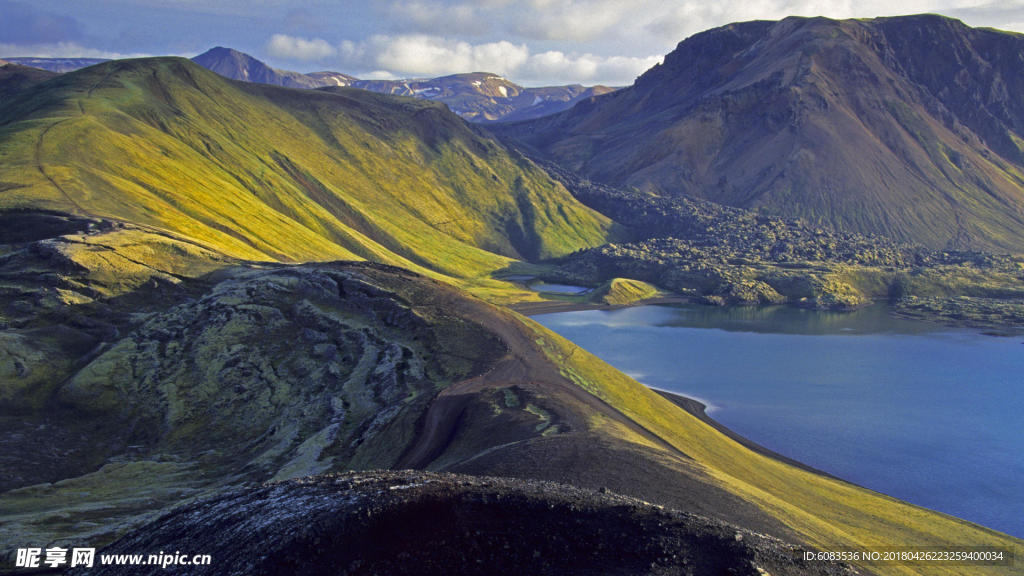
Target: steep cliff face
900 126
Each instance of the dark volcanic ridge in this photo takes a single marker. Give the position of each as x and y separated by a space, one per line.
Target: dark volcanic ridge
405 522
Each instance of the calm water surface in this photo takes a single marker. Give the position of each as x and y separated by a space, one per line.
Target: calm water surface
928 414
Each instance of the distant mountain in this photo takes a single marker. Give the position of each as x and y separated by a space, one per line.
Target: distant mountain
484 97
240 66
332 78
59 65
910 127
477 96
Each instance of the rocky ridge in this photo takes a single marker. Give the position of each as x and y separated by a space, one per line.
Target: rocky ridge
406 522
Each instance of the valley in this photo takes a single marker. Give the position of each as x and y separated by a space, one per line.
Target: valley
223 293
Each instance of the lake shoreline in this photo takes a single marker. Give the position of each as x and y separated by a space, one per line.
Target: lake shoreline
831 375
693 406
554 306
994 330
698 409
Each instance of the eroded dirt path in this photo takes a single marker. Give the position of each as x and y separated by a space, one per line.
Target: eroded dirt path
524 365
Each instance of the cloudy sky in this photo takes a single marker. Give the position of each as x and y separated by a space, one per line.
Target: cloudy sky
533 42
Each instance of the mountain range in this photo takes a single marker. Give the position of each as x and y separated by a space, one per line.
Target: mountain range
484 97
58 65
907 127
207 285
240 66
477 96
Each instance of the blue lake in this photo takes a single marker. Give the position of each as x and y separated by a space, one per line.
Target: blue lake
927 414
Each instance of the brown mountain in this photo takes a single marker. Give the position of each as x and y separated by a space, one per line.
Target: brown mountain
909 127
240 66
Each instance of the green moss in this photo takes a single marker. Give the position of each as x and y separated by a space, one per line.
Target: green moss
543 415
624 291
261 173
511 399
96 507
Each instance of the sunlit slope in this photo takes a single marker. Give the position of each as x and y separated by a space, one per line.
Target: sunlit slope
829 513
291 175
151 366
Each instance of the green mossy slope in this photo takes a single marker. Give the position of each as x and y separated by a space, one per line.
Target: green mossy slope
127 390
266 173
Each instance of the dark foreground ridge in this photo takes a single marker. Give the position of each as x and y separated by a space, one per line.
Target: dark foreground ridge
404 522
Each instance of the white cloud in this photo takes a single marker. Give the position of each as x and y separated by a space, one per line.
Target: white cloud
352 51
378 75
576 20
586 68
432 55
295 48
426 55
636 28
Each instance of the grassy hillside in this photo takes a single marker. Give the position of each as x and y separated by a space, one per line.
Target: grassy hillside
160 340
266 173
159 385
14 78
624 291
